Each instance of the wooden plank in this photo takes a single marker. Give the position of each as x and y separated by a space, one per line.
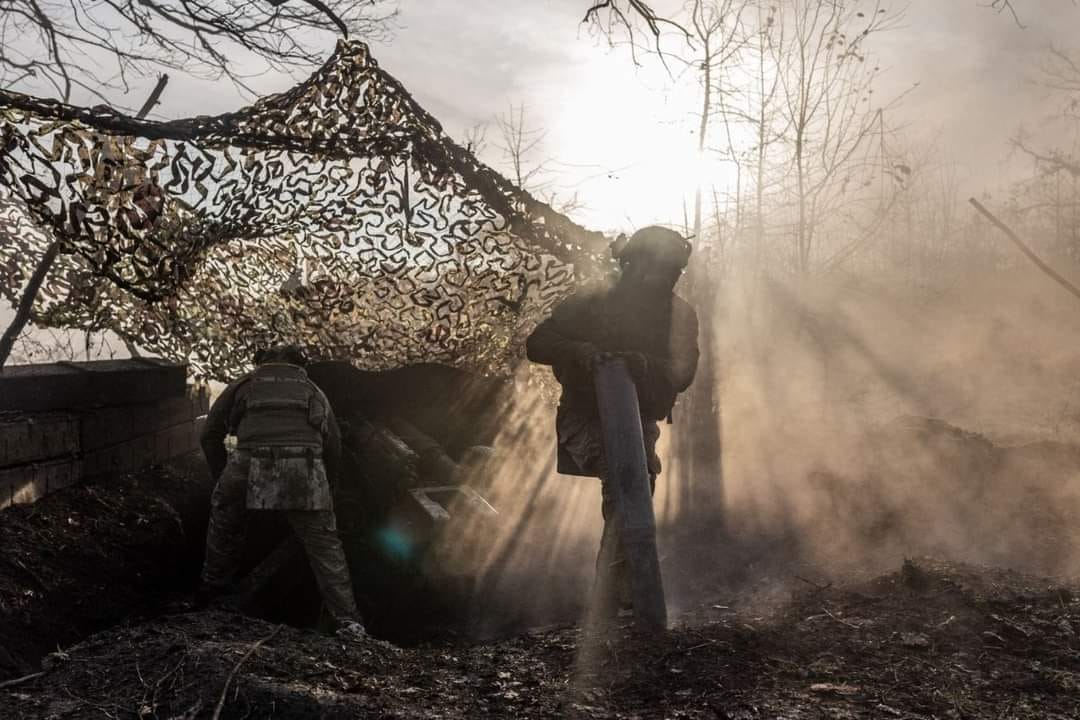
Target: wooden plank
28 483
98 383
33 438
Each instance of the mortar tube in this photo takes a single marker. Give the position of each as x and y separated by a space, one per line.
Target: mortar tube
628 473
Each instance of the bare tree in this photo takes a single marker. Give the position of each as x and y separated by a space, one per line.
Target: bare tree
826 78
752 110
1006 6
624 18
521 145
100 46
476 138
716 27
1060 73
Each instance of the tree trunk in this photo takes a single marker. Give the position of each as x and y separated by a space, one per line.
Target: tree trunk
26 302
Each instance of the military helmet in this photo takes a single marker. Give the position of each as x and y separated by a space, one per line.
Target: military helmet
653 244
291 354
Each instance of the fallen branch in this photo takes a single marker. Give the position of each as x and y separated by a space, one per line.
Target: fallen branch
236 668
20 680
1025 249
842 621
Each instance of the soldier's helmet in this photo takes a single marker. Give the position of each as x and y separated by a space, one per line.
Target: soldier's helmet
291 354
654 245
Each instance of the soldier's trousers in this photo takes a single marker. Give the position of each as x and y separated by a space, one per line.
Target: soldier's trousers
612 585
316 530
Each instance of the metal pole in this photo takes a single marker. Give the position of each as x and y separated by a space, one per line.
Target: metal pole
628 473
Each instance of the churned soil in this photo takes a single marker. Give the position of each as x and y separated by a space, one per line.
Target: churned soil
931 640
91 624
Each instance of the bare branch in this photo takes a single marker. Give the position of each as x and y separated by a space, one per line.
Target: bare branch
56 46
1001 6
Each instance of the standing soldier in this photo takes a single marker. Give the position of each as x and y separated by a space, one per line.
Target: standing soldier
286 437
641 320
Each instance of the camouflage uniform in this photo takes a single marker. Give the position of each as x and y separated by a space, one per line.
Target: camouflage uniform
661 330
286 438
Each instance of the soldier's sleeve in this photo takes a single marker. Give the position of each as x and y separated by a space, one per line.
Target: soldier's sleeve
216 428
666 377
555 341
331 437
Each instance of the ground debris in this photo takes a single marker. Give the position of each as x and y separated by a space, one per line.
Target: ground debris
913 656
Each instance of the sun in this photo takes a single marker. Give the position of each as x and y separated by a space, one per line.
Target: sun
626 139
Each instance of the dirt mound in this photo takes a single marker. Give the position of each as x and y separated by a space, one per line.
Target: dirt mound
90 556
931 639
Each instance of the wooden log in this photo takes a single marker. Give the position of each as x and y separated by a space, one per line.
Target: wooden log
98 383
628 474
25 439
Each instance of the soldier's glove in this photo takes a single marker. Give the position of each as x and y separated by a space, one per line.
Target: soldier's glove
637 364
585 356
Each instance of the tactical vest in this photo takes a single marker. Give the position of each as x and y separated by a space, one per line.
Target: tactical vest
278 406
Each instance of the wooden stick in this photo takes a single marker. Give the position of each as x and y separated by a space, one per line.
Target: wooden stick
155 95
1025 249
842 621
21 680
236 668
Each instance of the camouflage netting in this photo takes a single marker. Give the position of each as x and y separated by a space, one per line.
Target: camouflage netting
337 215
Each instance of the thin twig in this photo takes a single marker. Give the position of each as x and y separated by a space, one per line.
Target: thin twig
236 668
811 582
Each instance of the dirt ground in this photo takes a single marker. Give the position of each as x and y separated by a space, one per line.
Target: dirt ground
932 639
90 626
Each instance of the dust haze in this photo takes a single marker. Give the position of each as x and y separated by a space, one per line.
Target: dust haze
912 388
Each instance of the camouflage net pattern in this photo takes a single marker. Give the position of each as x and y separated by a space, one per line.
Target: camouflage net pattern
337 215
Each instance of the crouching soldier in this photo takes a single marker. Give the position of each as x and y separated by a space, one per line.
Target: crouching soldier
286 437
641 320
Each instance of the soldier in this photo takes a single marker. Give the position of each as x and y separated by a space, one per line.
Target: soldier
641 320
286 437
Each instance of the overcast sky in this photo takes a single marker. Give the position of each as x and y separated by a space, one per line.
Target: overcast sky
622 135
